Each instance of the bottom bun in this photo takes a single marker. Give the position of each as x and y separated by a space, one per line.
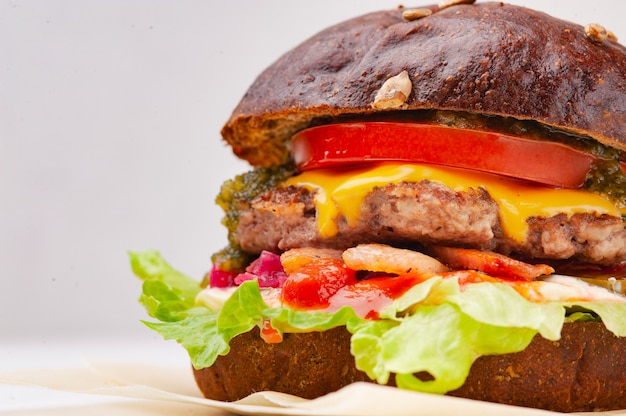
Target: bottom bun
584 371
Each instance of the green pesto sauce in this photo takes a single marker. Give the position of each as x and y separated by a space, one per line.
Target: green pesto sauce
606 178
234 196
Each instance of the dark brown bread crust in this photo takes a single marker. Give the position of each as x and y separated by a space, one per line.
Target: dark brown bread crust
584 371
307 365
487 58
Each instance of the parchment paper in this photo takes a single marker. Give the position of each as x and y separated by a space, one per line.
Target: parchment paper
166 390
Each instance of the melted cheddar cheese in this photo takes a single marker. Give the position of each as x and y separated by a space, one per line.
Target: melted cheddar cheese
342 191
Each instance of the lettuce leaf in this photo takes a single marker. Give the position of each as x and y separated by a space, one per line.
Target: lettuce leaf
612 314
500 305
169 296
428 338
442 330
198 334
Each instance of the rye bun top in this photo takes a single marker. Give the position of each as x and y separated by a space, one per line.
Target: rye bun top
486 58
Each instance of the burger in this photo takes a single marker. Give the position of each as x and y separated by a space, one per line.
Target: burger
436 202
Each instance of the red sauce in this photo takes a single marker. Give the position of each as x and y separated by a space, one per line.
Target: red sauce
269 333
369 297
327 284
315 283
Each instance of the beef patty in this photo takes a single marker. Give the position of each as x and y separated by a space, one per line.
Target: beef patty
427 213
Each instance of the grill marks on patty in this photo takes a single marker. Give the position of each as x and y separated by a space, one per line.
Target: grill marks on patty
425 213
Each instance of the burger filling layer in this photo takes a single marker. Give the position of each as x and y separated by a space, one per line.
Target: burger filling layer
388 298
425 204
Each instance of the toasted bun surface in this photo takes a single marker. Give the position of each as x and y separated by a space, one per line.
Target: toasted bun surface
584 371
486 58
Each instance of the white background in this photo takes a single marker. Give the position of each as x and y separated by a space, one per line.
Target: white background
110 112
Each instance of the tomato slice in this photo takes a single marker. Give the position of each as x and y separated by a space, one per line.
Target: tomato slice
544 162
